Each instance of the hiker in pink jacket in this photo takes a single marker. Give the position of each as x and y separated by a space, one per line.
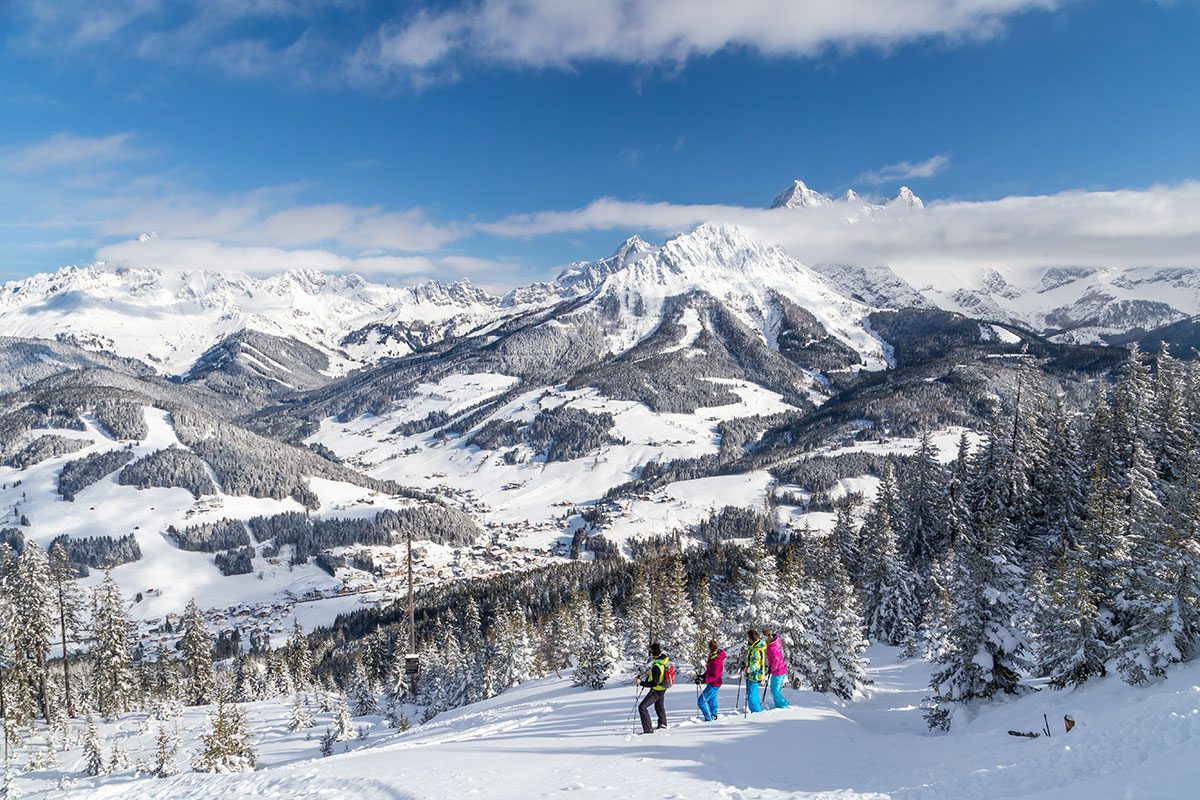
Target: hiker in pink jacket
778 669
713 671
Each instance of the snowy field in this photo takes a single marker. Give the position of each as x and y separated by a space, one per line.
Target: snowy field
547 739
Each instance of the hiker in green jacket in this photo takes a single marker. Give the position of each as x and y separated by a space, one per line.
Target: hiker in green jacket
657 679
756 669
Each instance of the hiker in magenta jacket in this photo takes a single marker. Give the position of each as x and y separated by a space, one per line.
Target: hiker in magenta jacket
778 669
713 671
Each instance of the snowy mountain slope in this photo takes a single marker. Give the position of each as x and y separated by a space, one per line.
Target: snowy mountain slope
1127 743
27 361
169 319
255 367
1083 304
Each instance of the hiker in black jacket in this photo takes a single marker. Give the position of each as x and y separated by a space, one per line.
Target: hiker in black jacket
656 680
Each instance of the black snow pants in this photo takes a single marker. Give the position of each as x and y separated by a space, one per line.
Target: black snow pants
654 697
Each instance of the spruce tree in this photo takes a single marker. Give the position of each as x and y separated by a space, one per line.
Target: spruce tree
672 603
196 649
472 652
640 624
1071 648
300 717
226 747
758 597
93 756
68 609
112 658
362 693
598 662
35 626
837 663
299 658
845 538
889 592
707 616
924 535
343 726
165 749
986 650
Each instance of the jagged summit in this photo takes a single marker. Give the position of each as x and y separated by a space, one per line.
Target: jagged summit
906 199
798 195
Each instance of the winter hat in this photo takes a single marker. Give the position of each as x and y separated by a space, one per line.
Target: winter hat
656 649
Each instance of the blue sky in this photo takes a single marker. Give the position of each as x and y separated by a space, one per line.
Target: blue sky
401 140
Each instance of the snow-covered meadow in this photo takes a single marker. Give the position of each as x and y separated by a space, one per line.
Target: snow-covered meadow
548 739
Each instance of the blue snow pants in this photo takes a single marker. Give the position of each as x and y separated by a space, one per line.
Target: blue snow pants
777 691
708 703
753 696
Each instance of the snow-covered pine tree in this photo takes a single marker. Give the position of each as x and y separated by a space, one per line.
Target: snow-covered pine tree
513 659
328 739
672 603
300 718
958 519
299 658
707 616
1155 635
1055 502
986 650
112 658
640 625
33 606
1071 648
362 694
226 747
472 651
845 537
68 612
835 662
601 653
166 747
889 590
343 725
802 611
93 755
758 597
196 665
923 536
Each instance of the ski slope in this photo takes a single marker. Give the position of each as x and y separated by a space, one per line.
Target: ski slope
548 739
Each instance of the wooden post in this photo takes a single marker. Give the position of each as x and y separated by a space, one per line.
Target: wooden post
411 664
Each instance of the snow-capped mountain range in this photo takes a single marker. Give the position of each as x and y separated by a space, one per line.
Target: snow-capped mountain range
170 320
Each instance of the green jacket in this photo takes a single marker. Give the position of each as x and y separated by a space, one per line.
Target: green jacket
656 674
756 662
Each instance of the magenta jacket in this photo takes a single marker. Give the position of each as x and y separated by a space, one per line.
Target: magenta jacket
775 662
715 669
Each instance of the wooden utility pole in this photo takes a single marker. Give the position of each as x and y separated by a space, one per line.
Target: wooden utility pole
411 663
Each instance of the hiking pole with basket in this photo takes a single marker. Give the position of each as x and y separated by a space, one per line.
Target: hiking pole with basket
636 700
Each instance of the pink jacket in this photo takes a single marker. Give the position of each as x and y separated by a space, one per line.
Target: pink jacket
715 669
775 662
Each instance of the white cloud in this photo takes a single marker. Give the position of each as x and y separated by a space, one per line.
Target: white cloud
66 149
552 33
1157 226
204 254
315 42
906 170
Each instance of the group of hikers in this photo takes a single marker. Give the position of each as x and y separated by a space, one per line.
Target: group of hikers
763 663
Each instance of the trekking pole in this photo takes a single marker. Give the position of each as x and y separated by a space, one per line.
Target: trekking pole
636 700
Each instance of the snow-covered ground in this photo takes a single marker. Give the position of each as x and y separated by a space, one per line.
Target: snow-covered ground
547 739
